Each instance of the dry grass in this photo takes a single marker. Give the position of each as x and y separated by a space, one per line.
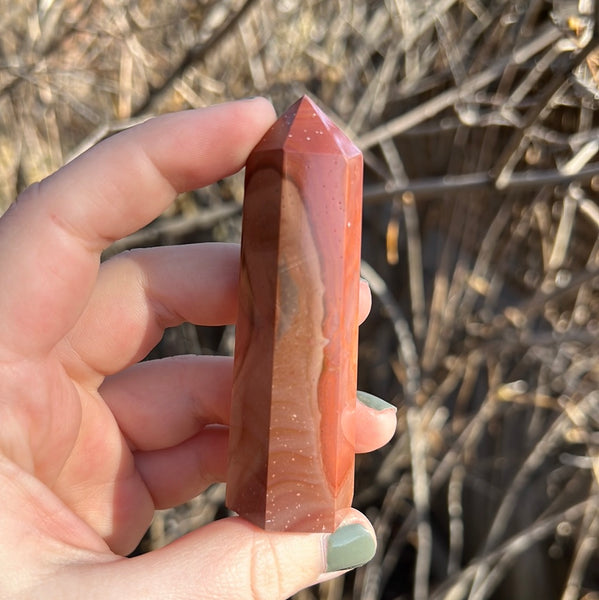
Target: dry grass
479 127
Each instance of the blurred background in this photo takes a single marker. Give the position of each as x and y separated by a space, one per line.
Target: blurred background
478 123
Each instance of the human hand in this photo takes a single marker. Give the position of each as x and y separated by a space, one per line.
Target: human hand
91 440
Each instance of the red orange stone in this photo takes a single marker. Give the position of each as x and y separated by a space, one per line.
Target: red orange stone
292 439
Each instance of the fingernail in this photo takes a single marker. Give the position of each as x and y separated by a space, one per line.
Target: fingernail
349 547
374 401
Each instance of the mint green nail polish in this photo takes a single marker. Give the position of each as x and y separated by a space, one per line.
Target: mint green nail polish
374 401
348 547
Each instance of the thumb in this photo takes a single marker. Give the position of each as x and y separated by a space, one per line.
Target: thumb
232 559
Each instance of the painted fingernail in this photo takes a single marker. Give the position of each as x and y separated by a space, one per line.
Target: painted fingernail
374 401
349 547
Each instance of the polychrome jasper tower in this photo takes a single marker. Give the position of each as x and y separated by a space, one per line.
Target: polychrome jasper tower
291 453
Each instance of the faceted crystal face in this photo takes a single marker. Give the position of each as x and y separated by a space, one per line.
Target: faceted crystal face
291 455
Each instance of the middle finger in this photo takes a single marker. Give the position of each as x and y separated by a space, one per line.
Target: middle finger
139 294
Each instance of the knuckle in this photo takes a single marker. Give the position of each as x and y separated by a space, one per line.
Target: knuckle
266 575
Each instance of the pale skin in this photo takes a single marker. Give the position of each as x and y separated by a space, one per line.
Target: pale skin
91 440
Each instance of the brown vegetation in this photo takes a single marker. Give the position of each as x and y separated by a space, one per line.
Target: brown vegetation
479 127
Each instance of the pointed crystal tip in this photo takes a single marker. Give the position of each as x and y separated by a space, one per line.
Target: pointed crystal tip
305 128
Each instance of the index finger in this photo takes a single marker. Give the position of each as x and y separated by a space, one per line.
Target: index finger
51 239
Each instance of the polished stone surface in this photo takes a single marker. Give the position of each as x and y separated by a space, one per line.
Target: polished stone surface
291 454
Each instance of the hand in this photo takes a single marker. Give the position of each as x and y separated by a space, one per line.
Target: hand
91 440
